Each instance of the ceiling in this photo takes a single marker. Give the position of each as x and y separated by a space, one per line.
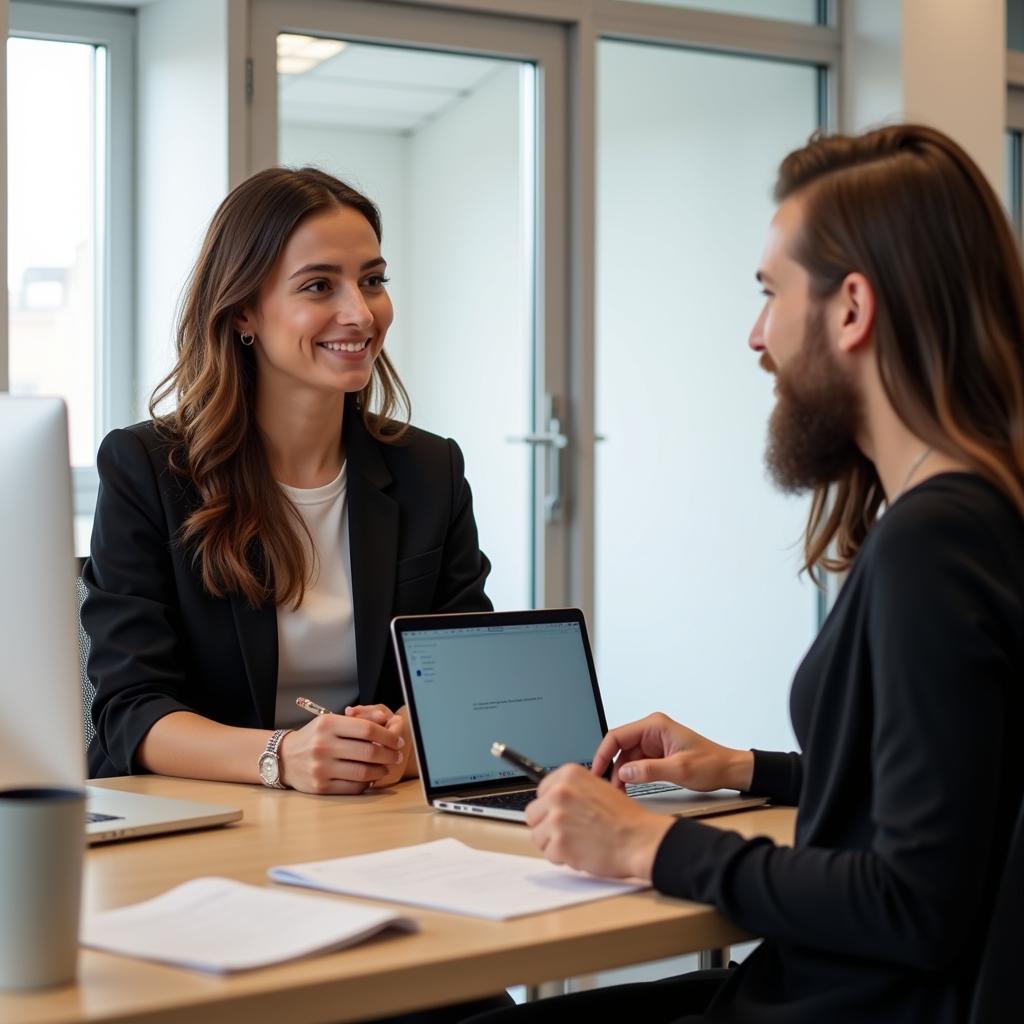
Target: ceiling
383 88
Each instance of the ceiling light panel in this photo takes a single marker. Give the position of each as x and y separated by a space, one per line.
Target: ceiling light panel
298 54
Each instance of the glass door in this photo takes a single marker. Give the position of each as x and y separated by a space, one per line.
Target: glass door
700 608
454 125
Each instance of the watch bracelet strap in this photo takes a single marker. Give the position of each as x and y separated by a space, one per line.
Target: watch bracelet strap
272 744
275 741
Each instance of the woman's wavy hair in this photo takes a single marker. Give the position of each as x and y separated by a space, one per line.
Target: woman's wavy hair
905 206
244 535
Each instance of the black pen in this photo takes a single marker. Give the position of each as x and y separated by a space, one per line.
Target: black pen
529 768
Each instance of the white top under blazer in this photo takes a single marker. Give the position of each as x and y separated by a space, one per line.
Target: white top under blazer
316 642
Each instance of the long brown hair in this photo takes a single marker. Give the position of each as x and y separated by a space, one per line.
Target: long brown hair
244 533
908 208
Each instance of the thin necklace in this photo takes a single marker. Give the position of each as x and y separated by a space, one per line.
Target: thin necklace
915 466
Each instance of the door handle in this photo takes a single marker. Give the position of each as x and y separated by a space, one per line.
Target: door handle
552 440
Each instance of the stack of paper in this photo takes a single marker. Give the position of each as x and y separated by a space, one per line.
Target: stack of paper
218 925
448 875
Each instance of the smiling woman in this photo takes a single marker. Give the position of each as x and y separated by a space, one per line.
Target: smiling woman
323 312
251 546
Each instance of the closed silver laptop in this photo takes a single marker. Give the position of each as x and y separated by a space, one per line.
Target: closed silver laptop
41 735
111 814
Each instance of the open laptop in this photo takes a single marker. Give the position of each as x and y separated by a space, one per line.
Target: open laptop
42 740
525 679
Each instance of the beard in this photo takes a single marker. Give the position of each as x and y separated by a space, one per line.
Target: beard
816 418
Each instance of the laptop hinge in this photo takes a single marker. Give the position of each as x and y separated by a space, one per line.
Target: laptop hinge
472 794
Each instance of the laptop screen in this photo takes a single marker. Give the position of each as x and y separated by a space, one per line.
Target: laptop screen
526 684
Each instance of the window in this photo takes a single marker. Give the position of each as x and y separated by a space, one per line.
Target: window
1013 166
69 213
809 12
1012 177
1015 24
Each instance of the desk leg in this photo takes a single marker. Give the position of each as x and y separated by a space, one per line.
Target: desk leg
708 958
545 990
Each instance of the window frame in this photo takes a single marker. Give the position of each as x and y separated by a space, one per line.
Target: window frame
568 576
1014 188
115 31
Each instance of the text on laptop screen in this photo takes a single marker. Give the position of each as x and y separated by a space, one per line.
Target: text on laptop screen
526 686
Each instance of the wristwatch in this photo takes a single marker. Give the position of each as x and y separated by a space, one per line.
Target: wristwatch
270 764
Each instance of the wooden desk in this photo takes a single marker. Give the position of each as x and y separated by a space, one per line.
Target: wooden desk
452 958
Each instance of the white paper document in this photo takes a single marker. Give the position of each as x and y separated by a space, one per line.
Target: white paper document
219 925
448 875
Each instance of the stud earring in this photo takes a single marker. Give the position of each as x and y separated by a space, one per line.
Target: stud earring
246 338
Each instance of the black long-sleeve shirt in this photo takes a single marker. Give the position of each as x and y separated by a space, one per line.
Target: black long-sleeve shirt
906 708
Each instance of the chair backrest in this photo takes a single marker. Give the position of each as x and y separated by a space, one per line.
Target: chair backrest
83 659
998 987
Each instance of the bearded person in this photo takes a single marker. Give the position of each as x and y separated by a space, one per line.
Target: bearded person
893 324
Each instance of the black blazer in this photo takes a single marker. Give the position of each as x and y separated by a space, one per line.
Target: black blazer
160 643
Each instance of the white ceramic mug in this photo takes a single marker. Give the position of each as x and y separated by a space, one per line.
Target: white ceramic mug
42 841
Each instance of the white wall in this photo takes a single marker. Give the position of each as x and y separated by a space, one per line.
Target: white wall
699 609
954 74
940 62
4 10
469 322
182 142
871 82
375 163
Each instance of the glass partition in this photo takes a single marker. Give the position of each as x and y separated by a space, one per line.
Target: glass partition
444 143
809 12
700 611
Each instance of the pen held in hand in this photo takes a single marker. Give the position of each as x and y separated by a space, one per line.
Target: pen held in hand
318 709
311 706
529 768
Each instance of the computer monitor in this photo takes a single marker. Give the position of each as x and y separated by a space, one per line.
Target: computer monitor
41 737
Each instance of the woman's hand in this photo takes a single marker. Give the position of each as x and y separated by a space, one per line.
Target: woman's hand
396 721
344 753
657 749
580 820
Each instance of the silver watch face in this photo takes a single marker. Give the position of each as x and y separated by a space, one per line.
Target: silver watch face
269 769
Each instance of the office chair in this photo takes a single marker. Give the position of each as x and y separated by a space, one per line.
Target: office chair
998 985
83 659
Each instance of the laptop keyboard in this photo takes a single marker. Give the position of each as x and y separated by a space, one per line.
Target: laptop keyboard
518 801
91 817
649 788
504 801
